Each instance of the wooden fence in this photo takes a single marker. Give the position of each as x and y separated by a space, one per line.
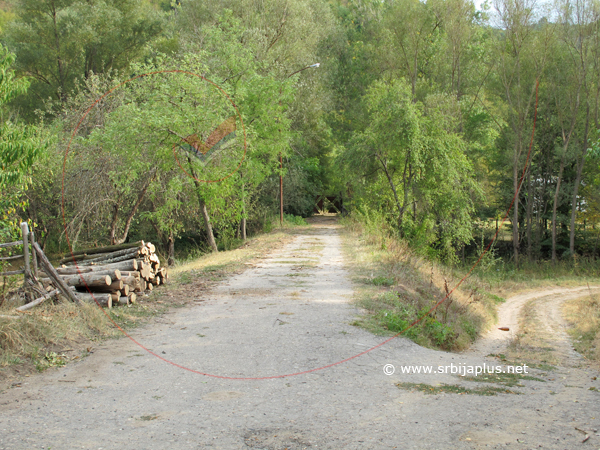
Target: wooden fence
31 259
129 256
27 238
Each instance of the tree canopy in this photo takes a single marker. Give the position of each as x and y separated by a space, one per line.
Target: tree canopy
420 114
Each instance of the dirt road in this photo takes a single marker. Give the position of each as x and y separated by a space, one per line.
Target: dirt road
289 313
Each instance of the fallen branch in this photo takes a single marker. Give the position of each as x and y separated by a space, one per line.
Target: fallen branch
38 301
49 269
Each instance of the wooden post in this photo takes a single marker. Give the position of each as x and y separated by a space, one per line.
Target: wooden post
280 191
36 272
51 271
25 233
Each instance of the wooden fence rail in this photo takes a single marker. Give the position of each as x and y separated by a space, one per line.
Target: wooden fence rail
27 238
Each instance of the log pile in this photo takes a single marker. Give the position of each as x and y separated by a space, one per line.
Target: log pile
113 275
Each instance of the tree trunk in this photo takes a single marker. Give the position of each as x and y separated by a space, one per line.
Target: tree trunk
207 224
580 164
171 249
131 254
113 223
141 196
529 217
204 211
107 249
393 187
124 266
555 206
116 285
102 299
90 280
515 220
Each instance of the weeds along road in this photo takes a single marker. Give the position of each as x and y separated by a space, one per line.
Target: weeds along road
289 313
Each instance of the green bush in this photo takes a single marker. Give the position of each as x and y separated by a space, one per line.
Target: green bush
294 220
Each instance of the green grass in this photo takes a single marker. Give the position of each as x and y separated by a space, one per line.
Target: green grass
506 278
50 359
505 379
382 281
149 417
541 366
290 219
453 389
396 287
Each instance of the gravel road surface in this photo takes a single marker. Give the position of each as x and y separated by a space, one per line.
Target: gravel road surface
288 313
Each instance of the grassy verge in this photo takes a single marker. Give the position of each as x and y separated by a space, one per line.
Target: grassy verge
454 389
583 316
505 280
396 286
53 334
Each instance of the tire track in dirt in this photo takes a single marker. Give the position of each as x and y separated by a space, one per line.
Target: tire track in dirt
548 303
291 311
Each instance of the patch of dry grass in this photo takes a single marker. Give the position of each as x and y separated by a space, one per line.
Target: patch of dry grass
583 316
48 328
533 343
34 338
54 333
233 260
396 286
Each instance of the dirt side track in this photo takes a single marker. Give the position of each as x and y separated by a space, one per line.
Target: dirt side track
289 313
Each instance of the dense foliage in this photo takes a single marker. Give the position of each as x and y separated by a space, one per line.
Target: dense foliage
420 114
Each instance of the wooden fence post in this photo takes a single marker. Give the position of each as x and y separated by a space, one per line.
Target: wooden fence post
34 256
25 233
51 272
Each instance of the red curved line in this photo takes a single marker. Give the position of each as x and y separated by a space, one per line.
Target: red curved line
372 348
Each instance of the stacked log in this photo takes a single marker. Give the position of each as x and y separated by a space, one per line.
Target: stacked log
113 275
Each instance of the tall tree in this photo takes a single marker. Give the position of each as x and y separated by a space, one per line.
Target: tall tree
580 21
59 41
519 63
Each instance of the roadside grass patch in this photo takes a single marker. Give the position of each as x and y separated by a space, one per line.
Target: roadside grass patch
505 280
382 281
293 220
395 287
505 379
454 389
149 417
233 260
381 262
37 340
583 317
50 359
541 366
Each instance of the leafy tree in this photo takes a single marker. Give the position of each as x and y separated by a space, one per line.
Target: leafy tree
521 55
60 41
19 147
413 149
